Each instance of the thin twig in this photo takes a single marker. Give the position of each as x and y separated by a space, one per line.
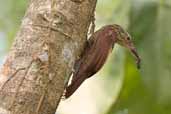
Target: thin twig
52 28
40 102
12 76
20 84
92 24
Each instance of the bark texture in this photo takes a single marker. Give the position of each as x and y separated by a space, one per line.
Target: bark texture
50 39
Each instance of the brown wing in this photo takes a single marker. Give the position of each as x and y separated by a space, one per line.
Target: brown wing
93 58
81 61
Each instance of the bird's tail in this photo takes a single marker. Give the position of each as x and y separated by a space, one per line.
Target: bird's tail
74 86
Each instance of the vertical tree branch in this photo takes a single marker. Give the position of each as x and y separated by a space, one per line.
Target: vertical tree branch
50 39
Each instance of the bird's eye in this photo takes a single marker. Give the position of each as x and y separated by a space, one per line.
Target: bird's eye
128 38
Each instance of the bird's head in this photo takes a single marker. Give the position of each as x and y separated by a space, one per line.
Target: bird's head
123 38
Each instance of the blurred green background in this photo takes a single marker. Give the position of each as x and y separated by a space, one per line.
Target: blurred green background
119 88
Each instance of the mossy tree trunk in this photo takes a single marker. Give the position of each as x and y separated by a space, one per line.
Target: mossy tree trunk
50 39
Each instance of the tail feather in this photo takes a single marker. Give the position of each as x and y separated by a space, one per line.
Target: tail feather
74 86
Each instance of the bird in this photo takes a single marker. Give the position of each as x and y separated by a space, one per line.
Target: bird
96 51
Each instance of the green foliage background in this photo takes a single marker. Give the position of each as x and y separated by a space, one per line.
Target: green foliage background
144 91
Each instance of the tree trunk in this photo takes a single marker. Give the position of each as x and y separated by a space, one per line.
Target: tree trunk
50 39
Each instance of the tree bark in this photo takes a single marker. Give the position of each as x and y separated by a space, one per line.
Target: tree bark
50 39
